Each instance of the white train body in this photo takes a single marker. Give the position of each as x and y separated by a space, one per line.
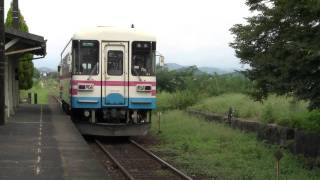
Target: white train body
107 80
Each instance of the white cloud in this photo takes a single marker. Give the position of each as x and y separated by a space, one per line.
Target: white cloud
188 32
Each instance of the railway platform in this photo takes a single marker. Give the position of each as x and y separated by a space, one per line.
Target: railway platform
40 142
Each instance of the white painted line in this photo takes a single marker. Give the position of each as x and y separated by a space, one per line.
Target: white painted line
39 142
40 112
38 170
31 122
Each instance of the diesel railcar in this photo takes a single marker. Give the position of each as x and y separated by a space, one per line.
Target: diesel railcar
107 81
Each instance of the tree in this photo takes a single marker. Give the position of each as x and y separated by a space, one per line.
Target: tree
25 62
36 73
281 43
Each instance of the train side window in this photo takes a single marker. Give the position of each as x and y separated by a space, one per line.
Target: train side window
115 63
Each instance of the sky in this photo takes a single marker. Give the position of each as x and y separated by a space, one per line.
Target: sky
189 32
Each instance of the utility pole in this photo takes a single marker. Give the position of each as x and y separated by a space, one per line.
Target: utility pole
15 14
2 64
14 59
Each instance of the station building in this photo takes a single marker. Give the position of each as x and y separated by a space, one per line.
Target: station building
17 43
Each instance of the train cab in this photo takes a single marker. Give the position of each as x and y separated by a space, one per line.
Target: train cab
107 80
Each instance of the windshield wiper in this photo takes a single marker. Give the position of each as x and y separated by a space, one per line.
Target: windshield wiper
134 69
92 71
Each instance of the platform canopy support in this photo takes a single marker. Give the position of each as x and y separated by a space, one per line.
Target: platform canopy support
2 64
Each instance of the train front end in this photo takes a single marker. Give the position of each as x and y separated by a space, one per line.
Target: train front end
113 84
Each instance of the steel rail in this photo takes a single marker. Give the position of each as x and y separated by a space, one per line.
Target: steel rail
123 170
57 99
178 172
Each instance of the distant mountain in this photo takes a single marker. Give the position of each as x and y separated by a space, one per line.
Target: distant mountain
174 66
209 70
45 70
212 70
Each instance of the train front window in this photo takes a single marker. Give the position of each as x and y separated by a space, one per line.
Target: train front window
143 58
86 57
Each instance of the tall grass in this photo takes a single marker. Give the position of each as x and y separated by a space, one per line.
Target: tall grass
43 88
276 109
177 100
219 152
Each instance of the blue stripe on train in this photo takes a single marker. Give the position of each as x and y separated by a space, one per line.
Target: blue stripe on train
95 103
86 102
142 103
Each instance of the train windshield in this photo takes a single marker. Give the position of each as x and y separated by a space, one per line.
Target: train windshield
143 58
85 57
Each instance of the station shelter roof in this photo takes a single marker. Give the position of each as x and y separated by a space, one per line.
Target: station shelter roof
19 43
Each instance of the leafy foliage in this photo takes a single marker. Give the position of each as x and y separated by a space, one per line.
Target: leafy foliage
177 100
280 42
188 86
312 122
36 73
25 63
199 83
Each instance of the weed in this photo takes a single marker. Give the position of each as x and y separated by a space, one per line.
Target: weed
282 110
43 88
214 150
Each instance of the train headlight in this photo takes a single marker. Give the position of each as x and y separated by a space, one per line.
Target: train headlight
144 88
140 88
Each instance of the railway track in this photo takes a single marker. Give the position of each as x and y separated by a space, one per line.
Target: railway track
129 160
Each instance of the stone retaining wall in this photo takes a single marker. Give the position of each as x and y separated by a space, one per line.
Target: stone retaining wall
297 141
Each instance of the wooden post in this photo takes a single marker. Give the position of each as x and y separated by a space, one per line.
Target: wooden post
29 98
35 98
278 155
2 65
159 123
278 169
230 115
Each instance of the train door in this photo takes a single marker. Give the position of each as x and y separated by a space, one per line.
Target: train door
115 76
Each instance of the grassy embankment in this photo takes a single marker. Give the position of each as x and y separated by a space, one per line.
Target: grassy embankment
276 109
216 151
43 88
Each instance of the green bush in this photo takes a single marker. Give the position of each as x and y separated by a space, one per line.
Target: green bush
192 79
177 100
163 101
183 99
312 122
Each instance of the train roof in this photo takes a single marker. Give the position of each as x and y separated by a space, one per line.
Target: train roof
113 34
